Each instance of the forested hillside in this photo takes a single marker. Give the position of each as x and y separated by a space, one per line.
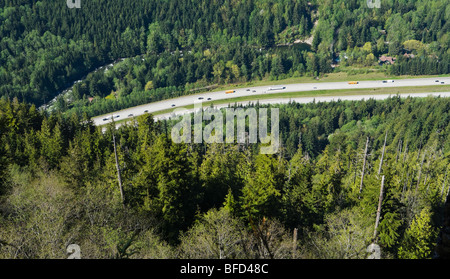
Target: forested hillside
185 45
348 173
59 185
54 44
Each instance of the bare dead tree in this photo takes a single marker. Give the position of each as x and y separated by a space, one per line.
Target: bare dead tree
294 241
289 171
119 177
382 154
364 165
443 183
380 201
399 150
405 152
405 185
427 172
300 139
420 147
420 172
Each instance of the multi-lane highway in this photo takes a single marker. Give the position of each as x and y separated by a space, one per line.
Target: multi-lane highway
220 95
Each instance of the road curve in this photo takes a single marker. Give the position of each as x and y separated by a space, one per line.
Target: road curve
220 95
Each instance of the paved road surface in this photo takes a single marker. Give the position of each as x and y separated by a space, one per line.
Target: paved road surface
220 95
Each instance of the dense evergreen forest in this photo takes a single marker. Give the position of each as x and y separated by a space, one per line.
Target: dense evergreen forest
179 46
347 174
59 185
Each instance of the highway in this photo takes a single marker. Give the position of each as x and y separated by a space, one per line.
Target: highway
298 87
303 100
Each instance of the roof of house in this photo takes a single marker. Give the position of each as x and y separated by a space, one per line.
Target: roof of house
389 59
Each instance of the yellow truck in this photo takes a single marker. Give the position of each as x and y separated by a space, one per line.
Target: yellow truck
229 91
353 82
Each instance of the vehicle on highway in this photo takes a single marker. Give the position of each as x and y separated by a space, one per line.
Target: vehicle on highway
200 98
353 82
442 82
277 88
105 119
436 81
254 91
117 116
209 99
314 87
247 90
145 110
229 91
130 115
173 105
